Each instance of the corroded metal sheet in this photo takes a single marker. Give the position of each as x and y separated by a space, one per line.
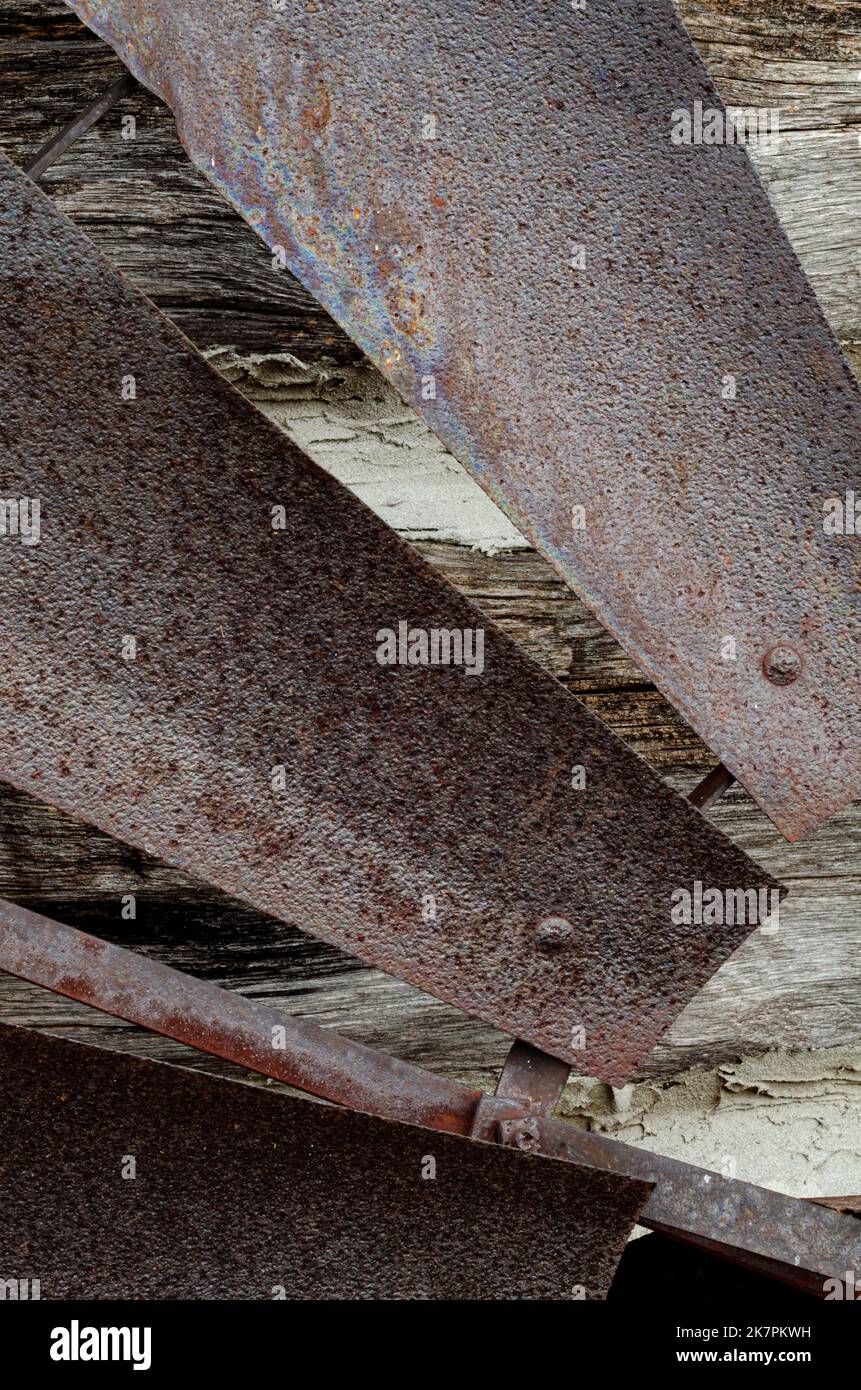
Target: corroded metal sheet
764 1231
191 662
608 328
125 1178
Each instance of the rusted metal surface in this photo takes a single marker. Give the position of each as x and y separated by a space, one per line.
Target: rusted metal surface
590 315
851 1206
711 788
532 1079
760 1230
240 1194
208 688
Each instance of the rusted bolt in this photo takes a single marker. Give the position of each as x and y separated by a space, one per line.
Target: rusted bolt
520 1134
782 665
554 933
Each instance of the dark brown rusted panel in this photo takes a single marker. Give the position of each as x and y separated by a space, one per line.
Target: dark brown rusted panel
427 821
453 261
238 1194
755 1228
532 1079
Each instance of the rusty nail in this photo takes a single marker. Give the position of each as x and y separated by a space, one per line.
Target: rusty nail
782 664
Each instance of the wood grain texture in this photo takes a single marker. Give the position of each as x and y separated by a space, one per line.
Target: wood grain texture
160 222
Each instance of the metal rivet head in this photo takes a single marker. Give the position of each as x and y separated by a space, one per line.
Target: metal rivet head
554 933
520 1134
782 665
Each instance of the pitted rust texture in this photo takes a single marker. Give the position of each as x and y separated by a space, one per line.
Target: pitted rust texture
428 822
237 1192
449 261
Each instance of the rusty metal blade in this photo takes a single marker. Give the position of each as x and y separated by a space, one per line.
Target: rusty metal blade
208 688
125 1178
591 316
755 1228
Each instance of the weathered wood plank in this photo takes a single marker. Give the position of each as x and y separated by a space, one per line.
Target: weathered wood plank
803 60
794 54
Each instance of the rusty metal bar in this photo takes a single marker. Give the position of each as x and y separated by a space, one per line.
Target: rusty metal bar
244 660
59 143
711 788
559 253
224 1024
762 1230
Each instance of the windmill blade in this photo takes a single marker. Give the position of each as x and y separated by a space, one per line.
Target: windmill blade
186 1186
539 222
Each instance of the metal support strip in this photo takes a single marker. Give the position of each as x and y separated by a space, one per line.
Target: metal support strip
60 142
